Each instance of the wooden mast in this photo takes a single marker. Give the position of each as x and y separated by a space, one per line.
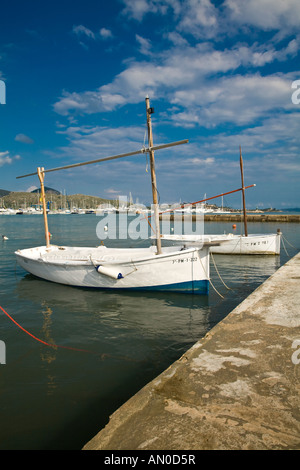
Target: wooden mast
243 192
41 175
153 176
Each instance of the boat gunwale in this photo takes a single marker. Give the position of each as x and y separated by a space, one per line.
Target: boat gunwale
93 261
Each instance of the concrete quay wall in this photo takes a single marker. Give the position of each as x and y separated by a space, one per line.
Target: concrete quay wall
237 388
286 218
238 217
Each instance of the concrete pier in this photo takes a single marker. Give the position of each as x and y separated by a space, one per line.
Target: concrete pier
237 388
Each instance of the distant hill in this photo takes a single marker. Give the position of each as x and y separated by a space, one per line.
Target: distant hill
3 192
56 200
47 191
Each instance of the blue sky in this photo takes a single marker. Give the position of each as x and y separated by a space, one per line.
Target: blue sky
219 73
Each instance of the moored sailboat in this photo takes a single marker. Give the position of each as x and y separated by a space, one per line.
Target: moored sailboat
177 269
233 244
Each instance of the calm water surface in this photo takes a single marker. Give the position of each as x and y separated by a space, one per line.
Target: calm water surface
60 398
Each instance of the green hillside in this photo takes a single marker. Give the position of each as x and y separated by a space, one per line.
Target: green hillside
16 200
3 192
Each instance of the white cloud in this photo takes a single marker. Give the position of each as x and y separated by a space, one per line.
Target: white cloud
183 75
137 9
235 99
202 19
24 139
88 142
265 14
177 39
105 33
81 30
145 45
7 159
199 18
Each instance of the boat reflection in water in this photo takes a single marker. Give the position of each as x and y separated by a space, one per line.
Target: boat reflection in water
119 325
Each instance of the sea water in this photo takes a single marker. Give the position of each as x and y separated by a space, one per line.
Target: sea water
59 398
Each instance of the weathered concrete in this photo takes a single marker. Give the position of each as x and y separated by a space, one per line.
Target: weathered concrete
237 388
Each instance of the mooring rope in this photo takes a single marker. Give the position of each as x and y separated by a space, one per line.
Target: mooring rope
54 346
283 237
283 244
218 271
209 280
39 340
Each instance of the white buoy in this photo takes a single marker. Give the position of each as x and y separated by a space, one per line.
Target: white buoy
4 237
109 271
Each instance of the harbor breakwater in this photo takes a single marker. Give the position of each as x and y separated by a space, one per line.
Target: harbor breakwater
236 217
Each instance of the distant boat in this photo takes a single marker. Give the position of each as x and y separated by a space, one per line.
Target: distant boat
179 269
231 244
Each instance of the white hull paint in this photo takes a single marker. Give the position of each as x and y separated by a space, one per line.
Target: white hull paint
175 270
268 244
230 244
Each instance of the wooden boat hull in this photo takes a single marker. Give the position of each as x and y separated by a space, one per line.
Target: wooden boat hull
175 270
268 244
230 244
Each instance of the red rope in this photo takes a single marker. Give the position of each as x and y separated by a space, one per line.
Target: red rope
37 339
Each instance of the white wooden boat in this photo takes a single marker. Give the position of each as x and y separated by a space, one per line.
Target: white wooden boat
231 244
253 244
180 269
175 269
